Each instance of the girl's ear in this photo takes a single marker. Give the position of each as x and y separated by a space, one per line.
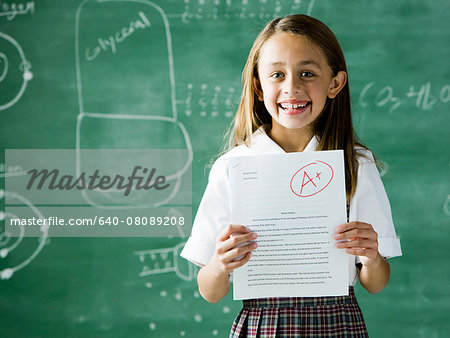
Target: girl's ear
257 89
337 84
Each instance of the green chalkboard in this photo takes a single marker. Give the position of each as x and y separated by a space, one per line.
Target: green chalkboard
166 74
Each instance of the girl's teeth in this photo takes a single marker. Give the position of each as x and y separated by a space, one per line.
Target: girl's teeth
292 106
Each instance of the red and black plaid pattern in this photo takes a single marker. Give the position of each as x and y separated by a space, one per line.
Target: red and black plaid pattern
300 317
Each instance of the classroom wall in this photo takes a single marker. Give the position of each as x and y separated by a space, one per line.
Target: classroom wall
96 74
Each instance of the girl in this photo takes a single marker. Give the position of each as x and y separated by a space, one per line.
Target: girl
296 98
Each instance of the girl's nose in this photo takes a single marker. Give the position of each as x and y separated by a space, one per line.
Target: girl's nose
291 86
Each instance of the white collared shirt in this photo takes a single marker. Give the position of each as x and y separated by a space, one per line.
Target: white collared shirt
369 204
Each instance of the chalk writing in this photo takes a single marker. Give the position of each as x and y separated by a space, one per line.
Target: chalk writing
11 10
421 96
15 170
242 9
112 41
215 102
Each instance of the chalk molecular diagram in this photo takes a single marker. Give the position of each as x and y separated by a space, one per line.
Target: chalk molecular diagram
126 85
15 71
9 245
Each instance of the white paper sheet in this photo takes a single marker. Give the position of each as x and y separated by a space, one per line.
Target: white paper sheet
294 202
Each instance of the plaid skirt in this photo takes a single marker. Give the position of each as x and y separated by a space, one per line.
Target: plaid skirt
300 317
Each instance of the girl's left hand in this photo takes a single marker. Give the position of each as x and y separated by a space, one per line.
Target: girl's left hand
362 241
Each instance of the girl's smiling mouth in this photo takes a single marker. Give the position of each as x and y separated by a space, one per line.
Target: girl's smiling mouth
294 107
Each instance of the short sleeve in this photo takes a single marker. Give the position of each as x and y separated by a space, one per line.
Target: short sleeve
370 204
213 215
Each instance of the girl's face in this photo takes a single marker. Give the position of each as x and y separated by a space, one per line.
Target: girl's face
294 81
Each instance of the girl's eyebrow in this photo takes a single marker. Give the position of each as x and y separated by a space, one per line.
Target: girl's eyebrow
301 63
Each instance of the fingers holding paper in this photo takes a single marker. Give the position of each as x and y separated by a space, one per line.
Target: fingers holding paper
358 238
233 247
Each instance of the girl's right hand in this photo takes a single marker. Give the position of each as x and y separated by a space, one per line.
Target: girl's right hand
226 255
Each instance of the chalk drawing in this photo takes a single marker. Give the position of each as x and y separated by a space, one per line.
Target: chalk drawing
166 260
8 245
147 16
8 54
447 206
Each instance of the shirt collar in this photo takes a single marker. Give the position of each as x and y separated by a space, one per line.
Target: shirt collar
261 139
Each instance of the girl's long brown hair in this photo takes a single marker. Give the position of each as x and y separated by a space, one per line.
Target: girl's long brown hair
333 127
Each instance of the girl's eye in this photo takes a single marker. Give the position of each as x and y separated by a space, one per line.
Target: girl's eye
306 74
277 75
